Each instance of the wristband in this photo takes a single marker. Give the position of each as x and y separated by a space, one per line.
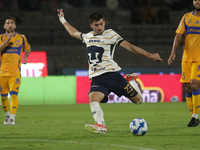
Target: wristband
62 20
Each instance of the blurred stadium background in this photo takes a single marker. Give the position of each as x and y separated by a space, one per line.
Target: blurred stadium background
38 21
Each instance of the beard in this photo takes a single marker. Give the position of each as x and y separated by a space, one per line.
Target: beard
197 9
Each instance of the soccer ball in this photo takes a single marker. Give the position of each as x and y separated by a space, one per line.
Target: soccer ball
138 126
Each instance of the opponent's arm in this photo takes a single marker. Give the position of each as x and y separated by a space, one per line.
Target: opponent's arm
27 53
3 46
137 50
177 41
71 30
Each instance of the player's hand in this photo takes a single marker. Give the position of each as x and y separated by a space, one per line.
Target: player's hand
156 57
60 12
171 57
24 60
10 35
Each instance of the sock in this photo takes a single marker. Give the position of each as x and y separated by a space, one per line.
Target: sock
195 115
135 86
14 104
189 102
97 113
196 101
12 116
5 103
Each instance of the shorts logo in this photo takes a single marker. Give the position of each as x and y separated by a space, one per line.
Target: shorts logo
17 81
198 68
198 76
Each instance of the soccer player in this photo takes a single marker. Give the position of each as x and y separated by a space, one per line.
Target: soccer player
11 46
103 70
190 26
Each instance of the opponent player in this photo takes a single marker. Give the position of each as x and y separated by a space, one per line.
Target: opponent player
190 26
11 46
103 70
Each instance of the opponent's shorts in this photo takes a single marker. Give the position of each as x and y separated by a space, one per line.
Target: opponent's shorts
190 70
112 82
10 84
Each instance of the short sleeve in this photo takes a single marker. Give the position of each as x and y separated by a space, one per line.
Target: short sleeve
115 38
181 27
83 37
25 44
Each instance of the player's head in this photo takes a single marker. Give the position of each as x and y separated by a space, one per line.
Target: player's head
9 24
196 4
97 23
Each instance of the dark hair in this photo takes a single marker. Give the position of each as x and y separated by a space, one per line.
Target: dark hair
9 17
96 16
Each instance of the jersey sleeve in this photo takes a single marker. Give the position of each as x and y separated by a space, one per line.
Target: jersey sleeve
25 44
181 27
115 38
83 37
1 39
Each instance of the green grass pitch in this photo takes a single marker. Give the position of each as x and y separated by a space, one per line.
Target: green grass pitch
56 127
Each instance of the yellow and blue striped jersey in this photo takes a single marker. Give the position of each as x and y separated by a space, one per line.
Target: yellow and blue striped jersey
190 25
10 59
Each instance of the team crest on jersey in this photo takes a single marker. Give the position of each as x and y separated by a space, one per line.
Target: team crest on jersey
18 42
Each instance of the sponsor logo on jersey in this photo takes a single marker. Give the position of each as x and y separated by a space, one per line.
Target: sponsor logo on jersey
197 22
94 41
98 69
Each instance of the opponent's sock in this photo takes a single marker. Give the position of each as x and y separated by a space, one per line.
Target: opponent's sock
5 103
196 101
189 102
97 113
14 104
195 115
12 116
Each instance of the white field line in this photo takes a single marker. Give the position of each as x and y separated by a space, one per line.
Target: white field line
114 145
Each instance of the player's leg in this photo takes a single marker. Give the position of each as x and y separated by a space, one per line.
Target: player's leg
195 83
131 78
97 113
189 97
14 83
4 97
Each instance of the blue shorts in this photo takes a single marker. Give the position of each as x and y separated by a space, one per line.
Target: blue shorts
112 82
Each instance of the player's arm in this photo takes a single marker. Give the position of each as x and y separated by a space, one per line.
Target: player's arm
70 29
3 46
27 53
177 41
137 50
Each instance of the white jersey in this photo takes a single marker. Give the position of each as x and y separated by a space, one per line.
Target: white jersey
100 49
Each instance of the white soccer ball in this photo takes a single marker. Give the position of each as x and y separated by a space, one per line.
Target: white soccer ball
138 126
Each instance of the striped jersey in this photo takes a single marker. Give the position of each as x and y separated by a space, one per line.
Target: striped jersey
100 50
10 57
190 26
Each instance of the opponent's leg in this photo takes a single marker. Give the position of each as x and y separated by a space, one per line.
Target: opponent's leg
14 84
196 103
5 105
189 97
13 107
